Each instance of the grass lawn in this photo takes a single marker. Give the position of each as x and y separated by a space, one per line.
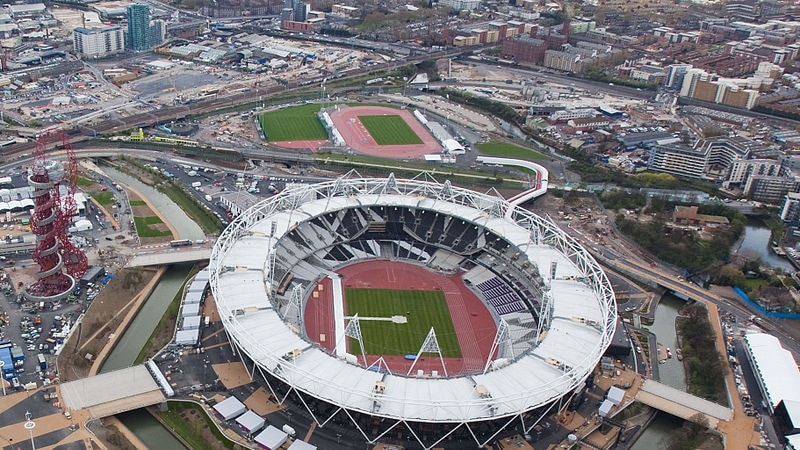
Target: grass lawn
143 228
162 334
299 123
84 182
509 150
424 309
390 130
104 198
138 203
208 222
753 284
193 431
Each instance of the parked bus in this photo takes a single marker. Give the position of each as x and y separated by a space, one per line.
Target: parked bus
181 243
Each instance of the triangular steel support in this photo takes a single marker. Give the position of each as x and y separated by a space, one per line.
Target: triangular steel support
501 338
380 363
353 330
295 300
431 345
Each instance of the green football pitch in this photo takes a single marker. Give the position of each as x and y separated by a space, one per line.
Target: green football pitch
298 123
423 309
390 130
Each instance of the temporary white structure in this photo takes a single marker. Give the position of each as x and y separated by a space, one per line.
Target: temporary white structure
250 422
187 337
300 445
191 309
229 408
271 438
191 323
616 395
605 407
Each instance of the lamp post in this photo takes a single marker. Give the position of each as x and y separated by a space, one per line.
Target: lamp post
322 93
30 425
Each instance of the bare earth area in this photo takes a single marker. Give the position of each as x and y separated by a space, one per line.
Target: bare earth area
101 322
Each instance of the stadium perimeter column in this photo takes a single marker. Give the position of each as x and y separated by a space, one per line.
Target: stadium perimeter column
338 314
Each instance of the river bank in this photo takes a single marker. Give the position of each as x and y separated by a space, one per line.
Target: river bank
136 304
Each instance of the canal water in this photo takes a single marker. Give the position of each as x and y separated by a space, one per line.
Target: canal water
139 331
149 430
656 434
758 238
186 227
140 422
670 373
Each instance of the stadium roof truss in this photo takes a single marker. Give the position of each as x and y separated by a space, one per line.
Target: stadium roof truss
577 315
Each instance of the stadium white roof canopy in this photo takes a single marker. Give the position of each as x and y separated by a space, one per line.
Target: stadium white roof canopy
581 315
794 441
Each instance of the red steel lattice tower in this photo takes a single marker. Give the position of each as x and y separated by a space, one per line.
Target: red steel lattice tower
51 217
74 259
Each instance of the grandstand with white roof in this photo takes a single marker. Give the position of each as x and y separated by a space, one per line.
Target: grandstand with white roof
553 305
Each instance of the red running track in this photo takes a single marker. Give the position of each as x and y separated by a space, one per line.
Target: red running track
356 136
474 325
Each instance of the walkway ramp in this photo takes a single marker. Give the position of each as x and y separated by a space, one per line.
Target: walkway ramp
113 392
681 404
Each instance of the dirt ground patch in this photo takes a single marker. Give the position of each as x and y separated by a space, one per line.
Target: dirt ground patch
196 420
100 321
114 434
262 402
232 375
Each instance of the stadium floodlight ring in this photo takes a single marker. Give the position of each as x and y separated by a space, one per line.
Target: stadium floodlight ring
580 315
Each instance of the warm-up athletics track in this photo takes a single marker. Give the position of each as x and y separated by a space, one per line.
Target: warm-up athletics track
358 138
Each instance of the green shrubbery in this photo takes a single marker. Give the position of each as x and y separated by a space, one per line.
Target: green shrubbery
705 371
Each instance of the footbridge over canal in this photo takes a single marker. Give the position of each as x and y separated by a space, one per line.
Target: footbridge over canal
681 404
116 392
168 255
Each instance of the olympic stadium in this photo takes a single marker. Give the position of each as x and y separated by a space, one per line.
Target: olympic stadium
530 311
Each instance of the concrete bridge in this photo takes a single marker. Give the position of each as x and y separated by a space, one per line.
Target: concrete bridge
681 404
168 255
116 392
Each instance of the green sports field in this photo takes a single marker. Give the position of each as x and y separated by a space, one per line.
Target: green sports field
424 309
509 150
390 130
298 123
